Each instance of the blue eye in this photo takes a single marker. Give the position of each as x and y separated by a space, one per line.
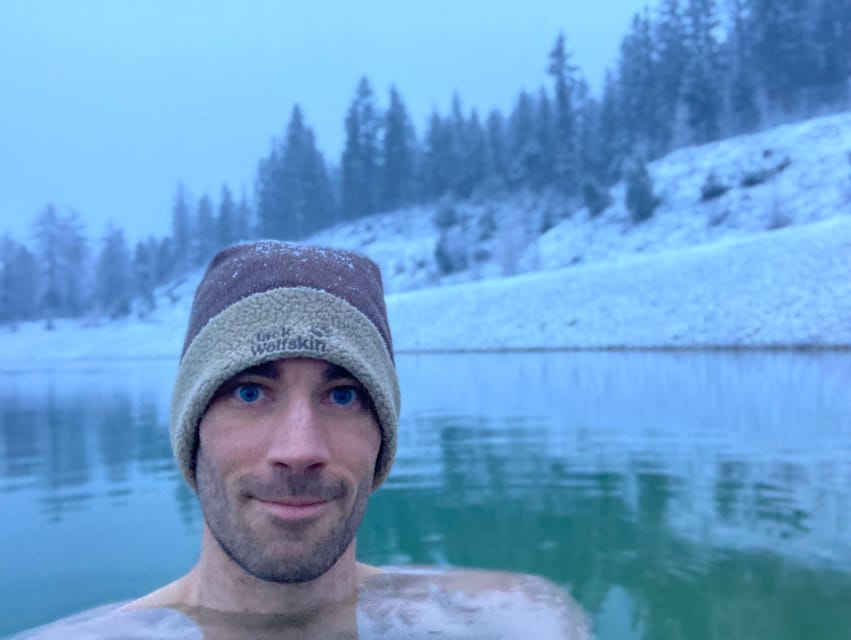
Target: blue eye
248 392
343 396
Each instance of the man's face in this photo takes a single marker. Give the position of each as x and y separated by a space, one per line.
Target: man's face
285 465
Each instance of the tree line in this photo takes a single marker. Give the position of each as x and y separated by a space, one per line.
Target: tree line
689 72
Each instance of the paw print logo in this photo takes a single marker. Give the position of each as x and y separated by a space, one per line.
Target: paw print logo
319 331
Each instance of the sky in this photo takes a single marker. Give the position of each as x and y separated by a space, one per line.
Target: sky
106 105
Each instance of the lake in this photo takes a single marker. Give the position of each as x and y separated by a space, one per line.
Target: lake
693 495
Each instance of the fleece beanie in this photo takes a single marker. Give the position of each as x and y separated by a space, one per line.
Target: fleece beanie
269 300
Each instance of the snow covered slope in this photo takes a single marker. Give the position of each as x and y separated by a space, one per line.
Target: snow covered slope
790 288
766 262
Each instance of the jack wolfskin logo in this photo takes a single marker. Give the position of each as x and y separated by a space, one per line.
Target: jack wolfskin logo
285 339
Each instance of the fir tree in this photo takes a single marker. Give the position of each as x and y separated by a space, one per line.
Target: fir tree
703 87
564 153
360 156
398 155
205 232
639 89
742 103
640 199
114 282
181 232
437 159
226 232
782 49
144 273
495 163
47 236
832 38
524 149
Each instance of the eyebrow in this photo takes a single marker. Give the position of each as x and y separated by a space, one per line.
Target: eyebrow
263 370
335 372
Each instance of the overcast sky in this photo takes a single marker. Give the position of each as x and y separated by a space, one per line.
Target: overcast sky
107 104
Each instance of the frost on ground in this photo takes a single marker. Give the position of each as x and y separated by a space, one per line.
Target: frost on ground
749 247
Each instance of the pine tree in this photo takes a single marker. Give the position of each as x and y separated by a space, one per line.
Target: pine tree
639 89
743 110
640 199
205 232
437 159
564 153
144 273
9 313
548 141
19 282
524 151
271 219
672 59
226 232
591 163
475 155
831 38
495 163
114 282
704 75
360 155
73 258
398 156
47 237
783 52
181 232
457 146
245 229
612 143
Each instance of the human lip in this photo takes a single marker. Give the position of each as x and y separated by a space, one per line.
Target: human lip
293 508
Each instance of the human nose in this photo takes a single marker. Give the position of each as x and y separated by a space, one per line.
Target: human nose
297 440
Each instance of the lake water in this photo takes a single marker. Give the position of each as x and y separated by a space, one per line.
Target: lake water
676 495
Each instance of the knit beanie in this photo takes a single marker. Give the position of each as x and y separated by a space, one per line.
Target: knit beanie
270 300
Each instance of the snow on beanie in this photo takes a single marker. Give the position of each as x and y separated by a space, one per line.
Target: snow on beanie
270 300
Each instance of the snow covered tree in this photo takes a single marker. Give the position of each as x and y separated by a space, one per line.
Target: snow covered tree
63 252
672 59
783 51
703 88
205 232
495 162
640 199
639 89
398 156
525 154
564 163
19 282
294 194
181 232
741 78
435 175
244 228
831 40
144 272
74 258
226 232
361 155
114 281
613 143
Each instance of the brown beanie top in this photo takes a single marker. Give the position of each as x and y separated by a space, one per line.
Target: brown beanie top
270 300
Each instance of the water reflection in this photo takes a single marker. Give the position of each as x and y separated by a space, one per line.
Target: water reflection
678 495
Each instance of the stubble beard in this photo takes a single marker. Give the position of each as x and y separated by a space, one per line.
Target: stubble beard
278 551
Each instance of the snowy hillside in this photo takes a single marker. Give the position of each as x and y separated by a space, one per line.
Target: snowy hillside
805 170
749 247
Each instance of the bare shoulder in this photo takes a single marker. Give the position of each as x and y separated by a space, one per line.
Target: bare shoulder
470 603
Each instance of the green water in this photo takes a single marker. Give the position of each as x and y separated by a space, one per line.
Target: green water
677 495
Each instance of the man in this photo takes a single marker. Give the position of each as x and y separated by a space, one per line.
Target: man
283 420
